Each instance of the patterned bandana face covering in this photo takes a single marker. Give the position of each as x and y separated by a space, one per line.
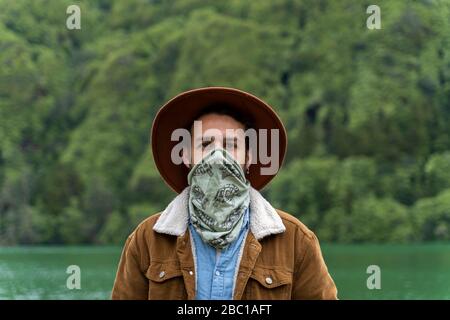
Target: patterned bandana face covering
218 198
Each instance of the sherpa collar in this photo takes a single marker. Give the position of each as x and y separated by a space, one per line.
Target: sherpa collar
264 220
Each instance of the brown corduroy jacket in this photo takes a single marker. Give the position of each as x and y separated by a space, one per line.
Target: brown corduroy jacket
280 259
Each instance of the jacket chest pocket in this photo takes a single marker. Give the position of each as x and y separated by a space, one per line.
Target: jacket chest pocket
165 281
268 284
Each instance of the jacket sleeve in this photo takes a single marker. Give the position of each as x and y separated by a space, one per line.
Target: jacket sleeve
311 280
130 282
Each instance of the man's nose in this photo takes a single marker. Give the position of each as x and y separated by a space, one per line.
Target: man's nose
217 144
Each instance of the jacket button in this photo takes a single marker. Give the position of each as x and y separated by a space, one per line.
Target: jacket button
162 274
269 280
191 272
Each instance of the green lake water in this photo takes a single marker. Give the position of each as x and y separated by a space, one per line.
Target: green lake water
407 271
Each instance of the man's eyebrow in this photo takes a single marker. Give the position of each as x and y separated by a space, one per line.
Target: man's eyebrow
210 138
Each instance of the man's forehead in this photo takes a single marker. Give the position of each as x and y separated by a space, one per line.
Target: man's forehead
217 126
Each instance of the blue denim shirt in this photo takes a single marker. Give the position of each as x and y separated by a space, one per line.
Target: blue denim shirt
216 268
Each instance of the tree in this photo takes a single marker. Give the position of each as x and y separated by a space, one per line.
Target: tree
432 217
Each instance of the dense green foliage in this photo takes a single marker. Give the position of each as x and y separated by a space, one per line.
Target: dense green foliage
367 111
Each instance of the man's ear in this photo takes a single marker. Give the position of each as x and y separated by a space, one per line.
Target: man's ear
186 156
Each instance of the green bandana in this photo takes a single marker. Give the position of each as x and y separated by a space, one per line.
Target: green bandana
218 198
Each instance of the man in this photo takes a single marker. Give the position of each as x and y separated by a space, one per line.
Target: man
219 238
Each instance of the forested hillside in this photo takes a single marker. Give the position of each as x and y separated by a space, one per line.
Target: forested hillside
367 111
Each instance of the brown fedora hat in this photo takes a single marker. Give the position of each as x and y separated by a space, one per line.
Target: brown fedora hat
182 110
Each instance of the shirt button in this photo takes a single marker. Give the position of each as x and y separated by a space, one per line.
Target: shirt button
217 273
162 274
269 280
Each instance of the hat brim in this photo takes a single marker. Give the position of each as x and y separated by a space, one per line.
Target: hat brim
180 112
